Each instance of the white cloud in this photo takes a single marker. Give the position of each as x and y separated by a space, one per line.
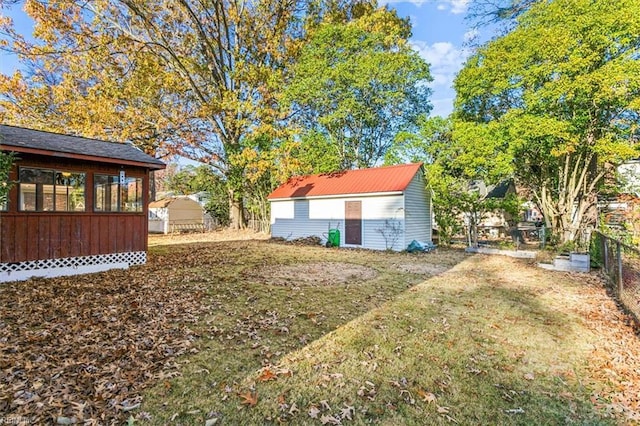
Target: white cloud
415 22
445 60
417 3
442 106
458 6
470 35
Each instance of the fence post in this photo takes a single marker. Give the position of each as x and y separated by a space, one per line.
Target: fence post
620 283
605 253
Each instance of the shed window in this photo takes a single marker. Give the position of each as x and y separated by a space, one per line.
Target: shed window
51 190
112 195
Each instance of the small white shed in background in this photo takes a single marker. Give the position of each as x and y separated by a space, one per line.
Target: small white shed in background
175 214
382 208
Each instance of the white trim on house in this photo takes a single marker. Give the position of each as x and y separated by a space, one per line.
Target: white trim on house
66 266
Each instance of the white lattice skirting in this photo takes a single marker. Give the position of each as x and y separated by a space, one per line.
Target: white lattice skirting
47 268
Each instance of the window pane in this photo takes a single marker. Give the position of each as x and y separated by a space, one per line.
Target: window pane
48 204
106 193
36 176
36 189
132 195
139 198
27 197
4 201
70 191
113 195
99 184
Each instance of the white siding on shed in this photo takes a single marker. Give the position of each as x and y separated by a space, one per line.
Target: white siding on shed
326 208
281 210
391 218
417 203
298 225
317 216
377 210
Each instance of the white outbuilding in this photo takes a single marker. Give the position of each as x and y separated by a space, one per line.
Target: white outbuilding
175 214
383 208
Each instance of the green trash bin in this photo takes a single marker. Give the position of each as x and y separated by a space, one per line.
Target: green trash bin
334 237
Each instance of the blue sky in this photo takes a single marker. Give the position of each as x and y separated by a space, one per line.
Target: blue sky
439 35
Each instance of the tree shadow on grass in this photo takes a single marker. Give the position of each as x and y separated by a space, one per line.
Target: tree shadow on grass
485 352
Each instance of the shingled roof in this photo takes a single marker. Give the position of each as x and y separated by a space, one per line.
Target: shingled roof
349 182
20 139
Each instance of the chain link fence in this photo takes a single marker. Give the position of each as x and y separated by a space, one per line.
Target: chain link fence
621 264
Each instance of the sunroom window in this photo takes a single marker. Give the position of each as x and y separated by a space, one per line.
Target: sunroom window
115 195
51 190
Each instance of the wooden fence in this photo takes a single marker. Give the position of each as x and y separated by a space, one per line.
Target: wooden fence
259 225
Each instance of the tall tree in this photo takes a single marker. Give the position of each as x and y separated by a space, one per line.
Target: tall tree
561 94
218 66
357 84
454 161
501 12
120 100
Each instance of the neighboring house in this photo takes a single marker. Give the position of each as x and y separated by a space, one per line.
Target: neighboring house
621 212
77 205
378 208
175 214
499 220
629 174
495 224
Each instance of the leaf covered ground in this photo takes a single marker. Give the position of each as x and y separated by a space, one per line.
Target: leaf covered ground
255 332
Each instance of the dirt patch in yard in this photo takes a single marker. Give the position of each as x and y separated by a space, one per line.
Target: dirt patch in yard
316 274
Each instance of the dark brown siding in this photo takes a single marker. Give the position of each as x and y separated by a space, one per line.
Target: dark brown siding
50 236
28 236
8 232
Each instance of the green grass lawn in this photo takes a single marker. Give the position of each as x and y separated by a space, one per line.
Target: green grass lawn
257 332
435 338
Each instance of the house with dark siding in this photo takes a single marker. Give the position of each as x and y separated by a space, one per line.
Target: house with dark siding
76 205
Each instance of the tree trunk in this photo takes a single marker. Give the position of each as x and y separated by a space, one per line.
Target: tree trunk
236 211
569 201
152 186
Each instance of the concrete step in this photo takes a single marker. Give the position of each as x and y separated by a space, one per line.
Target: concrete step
577 263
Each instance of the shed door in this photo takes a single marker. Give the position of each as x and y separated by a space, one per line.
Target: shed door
353 222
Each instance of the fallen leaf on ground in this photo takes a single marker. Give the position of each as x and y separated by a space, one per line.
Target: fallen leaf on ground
329 420
267 375
426 396
249 398
313 412
442 410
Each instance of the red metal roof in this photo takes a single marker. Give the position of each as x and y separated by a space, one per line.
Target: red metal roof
379 179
